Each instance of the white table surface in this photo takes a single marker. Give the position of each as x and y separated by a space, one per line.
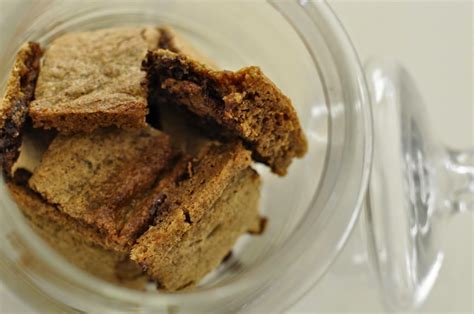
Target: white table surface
434 40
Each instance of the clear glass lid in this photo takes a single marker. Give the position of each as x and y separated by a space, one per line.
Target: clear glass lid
415 183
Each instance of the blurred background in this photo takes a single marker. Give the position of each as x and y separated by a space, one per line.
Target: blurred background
434 40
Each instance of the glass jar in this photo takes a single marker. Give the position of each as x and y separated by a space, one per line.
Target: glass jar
303 48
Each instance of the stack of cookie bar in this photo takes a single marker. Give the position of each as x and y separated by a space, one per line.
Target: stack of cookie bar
131 155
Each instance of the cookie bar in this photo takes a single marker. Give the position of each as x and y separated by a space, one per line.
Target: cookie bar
243 104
